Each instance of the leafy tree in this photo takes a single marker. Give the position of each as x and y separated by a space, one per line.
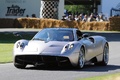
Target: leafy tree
78 8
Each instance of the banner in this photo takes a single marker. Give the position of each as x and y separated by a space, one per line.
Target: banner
19 8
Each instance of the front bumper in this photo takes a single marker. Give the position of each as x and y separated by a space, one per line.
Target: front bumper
42 60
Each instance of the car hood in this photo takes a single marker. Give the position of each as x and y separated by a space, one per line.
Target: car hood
46 48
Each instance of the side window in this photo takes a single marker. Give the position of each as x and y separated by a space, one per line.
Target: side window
91 39
79 34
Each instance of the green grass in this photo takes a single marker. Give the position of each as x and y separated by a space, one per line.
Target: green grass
115 76
6 50
7 40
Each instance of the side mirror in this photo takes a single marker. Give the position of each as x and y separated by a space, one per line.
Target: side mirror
85 35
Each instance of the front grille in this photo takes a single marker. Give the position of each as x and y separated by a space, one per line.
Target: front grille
47 60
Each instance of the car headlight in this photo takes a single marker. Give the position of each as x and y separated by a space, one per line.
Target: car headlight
20 45
69 46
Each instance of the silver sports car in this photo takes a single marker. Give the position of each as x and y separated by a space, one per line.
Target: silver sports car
61 47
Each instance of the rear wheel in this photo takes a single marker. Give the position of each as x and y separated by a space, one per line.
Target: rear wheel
81 61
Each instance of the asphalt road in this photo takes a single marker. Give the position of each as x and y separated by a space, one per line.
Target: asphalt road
9 72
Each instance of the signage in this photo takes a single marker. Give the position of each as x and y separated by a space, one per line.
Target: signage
15 10
15 1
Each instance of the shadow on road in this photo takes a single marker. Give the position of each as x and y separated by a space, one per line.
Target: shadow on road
101 68
87 68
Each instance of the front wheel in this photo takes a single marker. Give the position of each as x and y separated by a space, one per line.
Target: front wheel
20 66
81 60
105 60
105 55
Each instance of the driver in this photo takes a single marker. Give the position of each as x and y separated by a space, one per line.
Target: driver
51 36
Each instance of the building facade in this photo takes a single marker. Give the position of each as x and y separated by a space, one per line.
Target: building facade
52 8
107 5
32 8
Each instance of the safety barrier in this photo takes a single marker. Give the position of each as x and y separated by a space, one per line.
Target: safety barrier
112 24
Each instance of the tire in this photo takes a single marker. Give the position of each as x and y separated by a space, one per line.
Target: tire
105 60
81 59
20 66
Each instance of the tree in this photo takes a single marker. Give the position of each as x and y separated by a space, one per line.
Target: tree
78 8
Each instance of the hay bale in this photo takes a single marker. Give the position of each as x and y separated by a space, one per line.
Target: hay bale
21 23
6 23
81 25
57 23
115 23
86 26
33 22
71 24
48 23
101 26
27 23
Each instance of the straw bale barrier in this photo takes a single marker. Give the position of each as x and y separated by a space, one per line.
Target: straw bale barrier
113 24
48 23
27 23
6 23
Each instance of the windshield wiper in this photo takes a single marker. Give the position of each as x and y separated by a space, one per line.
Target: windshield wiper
38 39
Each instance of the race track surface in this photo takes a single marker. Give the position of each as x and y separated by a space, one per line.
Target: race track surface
9 72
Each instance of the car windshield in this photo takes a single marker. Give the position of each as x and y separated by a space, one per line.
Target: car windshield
54 35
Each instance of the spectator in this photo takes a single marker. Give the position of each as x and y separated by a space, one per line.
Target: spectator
106 19
101 18
70 18
76 18
33 15
80 17
27 15
91 18
85 18
97 18
63 18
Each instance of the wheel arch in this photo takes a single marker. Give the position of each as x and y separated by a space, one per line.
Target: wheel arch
83 46
105 43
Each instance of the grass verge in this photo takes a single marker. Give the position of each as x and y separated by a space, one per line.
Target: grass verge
7 41
6 50
115 76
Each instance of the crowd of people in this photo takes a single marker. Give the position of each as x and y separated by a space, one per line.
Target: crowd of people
81 17
84 17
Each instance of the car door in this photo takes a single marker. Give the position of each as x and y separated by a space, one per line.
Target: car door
89 43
